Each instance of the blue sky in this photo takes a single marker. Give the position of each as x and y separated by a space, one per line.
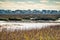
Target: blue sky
30 4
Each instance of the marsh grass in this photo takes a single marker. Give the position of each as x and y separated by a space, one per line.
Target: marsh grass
48 33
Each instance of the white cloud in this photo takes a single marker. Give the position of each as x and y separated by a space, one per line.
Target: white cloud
27 5
57 3
44 1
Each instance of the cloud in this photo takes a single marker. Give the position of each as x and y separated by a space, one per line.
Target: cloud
30 5
36 1
43 1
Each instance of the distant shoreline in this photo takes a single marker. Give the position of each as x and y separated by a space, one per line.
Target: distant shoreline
30 21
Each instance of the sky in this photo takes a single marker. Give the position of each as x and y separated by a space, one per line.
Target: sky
30 4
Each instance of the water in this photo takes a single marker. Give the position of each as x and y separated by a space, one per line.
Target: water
24 26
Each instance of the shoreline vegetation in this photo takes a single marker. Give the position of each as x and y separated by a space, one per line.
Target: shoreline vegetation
47 33
32 17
